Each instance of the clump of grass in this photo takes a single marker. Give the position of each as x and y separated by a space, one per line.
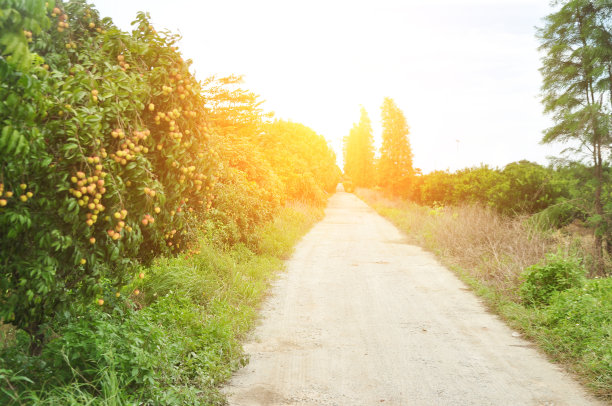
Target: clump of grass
278 237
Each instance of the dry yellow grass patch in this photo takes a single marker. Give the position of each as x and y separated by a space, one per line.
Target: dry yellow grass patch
493 248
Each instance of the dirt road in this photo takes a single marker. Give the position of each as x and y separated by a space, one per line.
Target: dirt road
362 318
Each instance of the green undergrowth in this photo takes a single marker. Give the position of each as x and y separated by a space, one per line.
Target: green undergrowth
170 339
545 296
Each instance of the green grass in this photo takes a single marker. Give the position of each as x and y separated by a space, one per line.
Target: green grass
573 326
172 344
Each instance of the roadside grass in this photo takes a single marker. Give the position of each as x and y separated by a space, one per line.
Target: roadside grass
496 256
171 342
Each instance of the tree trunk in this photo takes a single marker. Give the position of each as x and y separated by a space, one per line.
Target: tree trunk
37 339
599 262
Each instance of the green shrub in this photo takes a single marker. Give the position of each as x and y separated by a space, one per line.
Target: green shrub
580 320
556 274
437 186
94 173
521 187
525 187
474 185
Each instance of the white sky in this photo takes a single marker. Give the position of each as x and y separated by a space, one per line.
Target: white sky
463 70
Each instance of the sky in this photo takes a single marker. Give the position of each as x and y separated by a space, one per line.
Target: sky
464 72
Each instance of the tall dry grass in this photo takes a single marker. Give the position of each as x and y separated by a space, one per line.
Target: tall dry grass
492 248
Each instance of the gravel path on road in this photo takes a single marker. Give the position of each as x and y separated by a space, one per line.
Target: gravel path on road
360 317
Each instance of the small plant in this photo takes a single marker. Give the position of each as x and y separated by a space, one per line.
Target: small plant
579 321
556 274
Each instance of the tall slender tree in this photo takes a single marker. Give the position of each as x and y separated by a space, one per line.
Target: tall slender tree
577 89
395 170
359 152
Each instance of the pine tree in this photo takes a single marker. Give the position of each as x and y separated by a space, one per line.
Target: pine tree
395 170
359 152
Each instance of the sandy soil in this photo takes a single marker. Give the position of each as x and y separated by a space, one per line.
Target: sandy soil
360 317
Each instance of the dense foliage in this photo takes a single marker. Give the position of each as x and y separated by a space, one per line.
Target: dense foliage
113 153
304 162
115 156
520 187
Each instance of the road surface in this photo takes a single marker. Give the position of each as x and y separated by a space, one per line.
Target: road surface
360 317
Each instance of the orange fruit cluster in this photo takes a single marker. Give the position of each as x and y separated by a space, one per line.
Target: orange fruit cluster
8 194
89 190
130 147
